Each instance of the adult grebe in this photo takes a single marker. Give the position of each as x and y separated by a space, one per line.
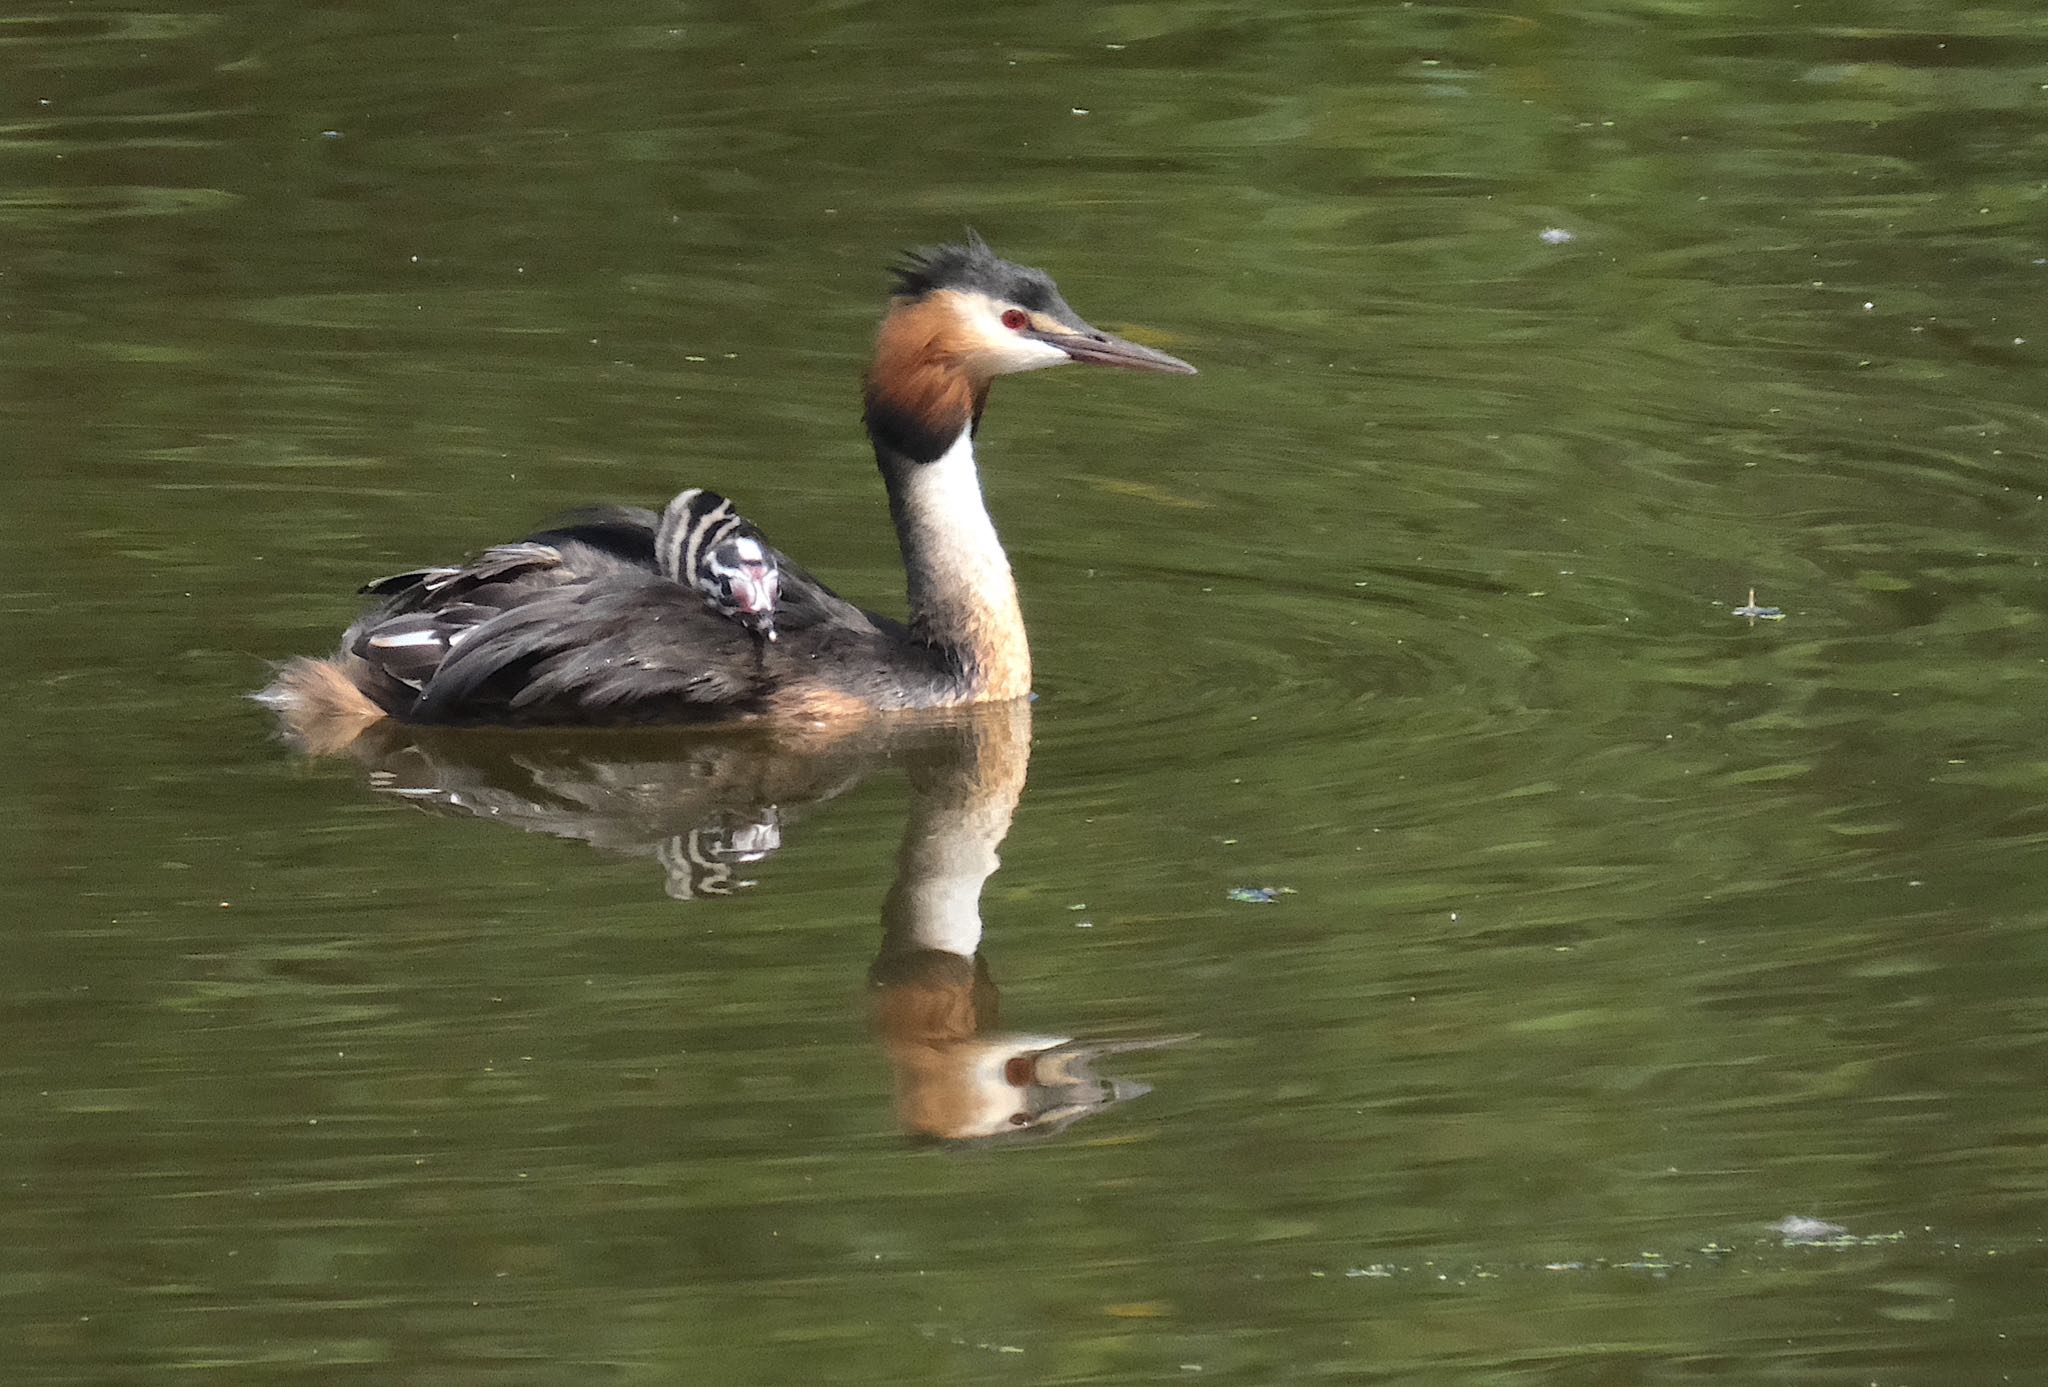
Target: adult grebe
592 622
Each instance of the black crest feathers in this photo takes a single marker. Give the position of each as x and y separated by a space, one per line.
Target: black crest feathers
971 265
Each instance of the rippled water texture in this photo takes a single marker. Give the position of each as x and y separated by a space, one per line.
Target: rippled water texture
1437 942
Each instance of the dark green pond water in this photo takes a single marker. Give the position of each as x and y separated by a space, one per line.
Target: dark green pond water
1608 928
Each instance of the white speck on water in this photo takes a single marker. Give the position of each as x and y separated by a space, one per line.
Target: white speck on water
1556 236
1800 1228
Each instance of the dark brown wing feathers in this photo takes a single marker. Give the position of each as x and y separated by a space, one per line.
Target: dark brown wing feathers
575 625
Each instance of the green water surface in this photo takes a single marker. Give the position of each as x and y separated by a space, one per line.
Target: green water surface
1615 927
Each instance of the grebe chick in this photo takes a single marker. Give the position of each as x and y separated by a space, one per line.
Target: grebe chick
585 623
703 543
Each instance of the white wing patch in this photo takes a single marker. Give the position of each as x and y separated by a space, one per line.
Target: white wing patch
406 640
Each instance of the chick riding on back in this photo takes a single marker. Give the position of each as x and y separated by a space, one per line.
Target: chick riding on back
703 543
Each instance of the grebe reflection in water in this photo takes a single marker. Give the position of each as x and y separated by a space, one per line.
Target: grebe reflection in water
710 809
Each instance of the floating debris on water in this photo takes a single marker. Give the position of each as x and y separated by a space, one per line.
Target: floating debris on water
1556 236
1756 613
1798 1228
1259 895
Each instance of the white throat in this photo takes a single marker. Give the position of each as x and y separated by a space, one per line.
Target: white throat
957 538
963 601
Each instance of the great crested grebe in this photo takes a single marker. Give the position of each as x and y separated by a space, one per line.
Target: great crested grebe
590 622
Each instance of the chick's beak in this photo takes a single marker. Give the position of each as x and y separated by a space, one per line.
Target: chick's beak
755 588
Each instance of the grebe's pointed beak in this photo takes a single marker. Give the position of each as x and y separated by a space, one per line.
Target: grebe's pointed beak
1093 347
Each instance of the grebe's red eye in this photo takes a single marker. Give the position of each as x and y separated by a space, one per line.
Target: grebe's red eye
1016 319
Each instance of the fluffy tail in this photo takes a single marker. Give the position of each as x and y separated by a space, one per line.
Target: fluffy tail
320 710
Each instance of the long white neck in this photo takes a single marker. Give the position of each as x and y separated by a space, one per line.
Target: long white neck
962 594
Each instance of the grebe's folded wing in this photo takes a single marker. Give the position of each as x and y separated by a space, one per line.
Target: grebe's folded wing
624 532
630 645
411 646
426 614
446 582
